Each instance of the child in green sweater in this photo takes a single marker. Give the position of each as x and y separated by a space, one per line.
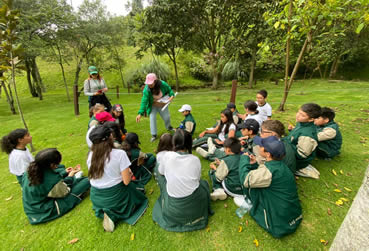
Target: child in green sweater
189 123
329 135
272 189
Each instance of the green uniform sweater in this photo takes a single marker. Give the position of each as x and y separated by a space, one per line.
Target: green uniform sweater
232 180
39 203
304 141
188 124
273 193
329 148
147 98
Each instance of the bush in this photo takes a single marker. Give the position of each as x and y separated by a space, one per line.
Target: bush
200 71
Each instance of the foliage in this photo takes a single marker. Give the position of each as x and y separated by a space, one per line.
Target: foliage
199 70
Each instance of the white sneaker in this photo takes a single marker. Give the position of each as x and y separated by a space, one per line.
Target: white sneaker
309 172
108 224
218 194
202 152
78 175
238 200
211 146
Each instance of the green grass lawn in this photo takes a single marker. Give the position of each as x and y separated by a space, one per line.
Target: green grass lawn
52 124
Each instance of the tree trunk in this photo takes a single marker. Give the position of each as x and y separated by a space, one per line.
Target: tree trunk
325 71
334 68
9 98
286 72
63 73
176 72
35 78
215 75
29 80
252 67
320 71
78 69
39 79
17 99
120 66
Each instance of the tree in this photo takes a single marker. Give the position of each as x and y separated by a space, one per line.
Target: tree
10 51
308 20
213 20
166 28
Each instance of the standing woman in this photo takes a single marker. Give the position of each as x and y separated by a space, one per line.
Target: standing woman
114 197
154 90
95 88
184 202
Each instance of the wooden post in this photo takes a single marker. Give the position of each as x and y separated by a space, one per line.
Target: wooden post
117 92
234 90
75 99
276 81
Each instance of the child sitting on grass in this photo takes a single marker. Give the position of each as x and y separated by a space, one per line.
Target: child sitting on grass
93 111
184 201
118 114
142 163
265 110
231 106
329 135
226 128
251 112
277 129
189 123
20 157
304 139
272 189
224 173
47 193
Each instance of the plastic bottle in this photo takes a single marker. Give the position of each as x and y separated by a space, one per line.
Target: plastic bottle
244 208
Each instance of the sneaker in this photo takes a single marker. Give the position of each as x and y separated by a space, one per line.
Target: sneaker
238 200
153 138
78 175
108 224
202 152
218 194
211 146
309 172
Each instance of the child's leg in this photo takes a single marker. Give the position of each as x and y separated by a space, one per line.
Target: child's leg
166 117
215 183
153 128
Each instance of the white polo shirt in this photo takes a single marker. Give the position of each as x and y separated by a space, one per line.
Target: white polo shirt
19 161
265 111
112 171
182 172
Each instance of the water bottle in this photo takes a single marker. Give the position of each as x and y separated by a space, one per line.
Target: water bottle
244 208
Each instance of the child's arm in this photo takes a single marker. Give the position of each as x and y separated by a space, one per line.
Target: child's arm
221 171
327 134
253 176
305 146
214 130
189 126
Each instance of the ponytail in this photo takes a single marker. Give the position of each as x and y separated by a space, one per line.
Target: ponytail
100 153
10 141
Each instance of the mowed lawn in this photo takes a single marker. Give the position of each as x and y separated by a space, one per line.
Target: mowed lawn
52 124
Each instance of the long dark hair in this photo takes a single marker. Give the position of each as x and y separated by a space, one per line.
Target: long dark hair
156 89
114 127
165 143
122 122
10 141
100 153
182 140
44 160
228 114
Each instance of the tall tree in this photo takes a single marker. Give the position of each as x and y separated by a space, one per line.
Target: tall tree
166 28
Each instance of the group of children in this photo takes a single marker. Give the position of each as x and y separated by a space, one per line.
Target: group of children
251 161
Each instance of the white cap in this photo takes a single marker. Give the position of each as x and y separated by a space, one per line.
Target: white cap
185 108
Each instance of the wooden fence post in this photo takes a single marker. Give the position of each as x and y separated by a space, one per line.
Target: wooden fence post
117 92
234 90
75 99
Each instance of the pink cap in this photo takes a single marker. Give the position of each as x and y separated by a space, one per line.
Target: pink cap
150 78
104 116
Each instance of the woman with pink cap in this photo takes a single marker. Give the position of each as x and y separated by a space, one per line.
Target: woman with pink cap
151 103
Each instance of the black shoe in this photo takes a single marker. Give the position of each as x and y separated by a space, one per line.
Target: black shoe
170 129
153 138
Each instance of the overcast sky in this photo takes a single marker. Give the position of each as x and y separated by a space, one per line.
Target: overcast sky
115 7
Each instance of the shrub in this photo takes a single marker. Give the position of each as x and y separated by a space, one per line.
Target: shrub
200 71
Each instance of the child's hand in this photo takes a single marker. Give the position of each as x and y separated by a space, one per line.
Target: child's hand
213 166
219 142
217 161
202 134
242 142
290 127
77 167
252 159
69 169
73 172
